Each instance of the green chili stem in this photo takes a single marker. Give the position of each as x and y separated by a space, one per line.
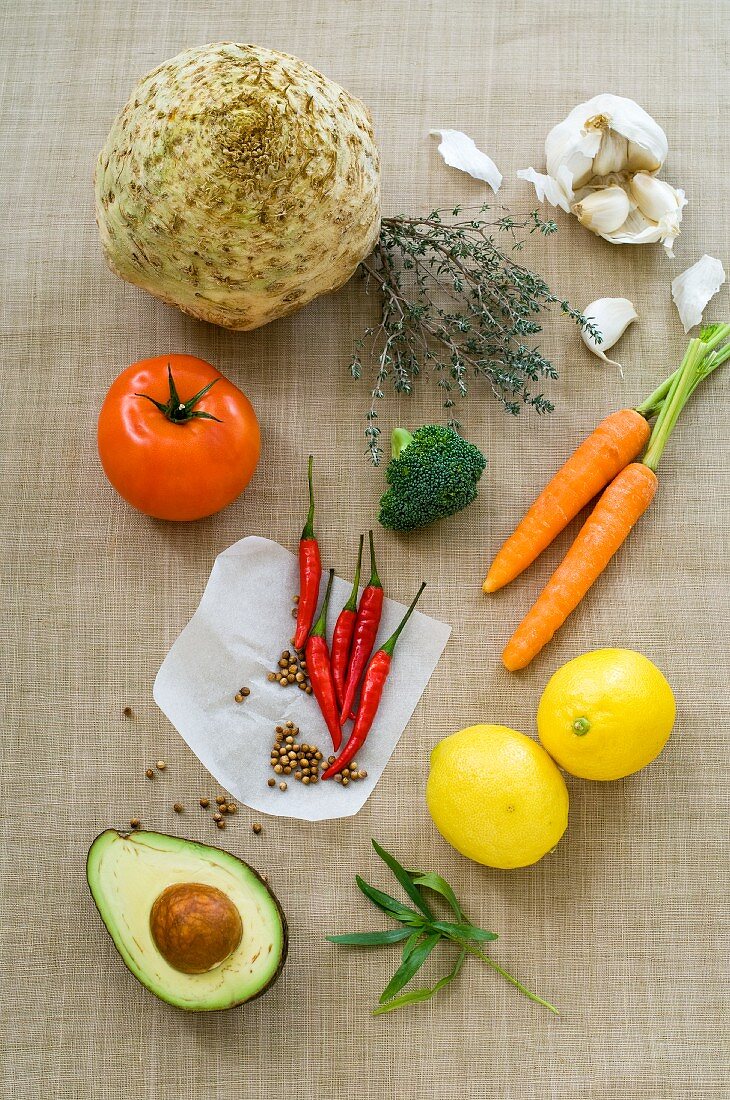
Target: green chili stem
374 581
320 627
351 604
308 532
389 646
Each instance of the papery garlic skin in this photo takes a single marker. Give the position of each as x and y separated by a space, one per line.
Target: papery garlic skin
460 151
611 316
693 289
603 145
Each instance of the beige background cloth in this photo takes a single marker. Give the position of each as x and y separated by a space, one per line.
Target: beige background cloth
624 926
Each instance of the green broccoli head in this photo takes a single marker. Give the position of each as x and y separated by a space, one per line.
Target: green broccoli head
433 473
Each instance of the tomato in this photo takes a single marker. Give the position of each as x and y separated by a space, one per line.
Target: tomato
169 449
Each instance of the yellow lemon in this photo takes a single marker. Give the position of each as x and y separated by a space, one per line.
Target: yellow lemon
606 714
496 796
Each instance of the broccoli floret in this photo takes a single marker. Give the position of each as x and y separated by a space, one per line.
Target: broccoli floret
433 473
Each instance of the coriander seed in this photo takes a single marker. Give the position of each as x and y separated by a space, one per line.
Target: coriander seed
160 765
217 817
205 803
178 807
220 799
135 822
271 782
256 828
282 786
149 773
128 712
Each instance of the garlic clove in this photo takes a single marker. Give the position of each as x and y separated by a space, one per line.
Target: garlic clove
612 155
460 151
603 211
611 316
557 192
640 159
656 199
655 216
693 289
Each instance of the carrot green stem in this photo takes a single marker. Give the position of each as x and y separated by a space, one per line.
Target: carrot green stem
700 359
654 402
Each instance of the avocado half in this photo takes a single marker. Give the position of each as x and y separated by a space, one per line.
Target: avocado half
172 906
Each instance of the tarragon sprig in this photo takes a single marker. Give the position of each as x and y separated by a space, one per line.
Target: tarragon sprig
421 931
455 301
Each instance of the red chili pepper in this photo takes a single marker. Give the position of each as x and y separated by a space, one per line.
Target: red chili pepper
366 631
342 635
310 574
320 672
372 691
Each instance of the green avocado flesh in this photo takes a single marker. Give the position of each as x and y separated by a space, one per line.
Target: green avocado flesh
127 873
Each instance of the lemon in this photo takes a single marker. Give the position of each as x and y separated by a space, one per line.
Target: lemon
606 714
496 796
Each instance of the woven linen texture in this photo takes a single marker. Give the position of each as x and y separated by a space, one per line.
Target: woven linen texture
624 927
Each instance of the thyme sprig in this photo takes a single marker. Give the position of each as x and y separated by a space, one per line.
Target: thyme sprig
421 931
454 300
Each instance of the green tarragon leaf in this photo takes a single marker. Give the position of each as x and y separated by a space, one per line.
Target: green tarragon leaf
389 904
373 939
407 969
404 879
418 995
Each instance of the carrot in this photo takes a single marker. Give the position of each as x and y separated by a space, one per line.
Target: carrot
621 505
619 508
615 442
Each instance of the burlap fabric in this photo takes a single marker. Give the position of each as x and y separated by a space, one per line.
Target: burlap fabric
623 926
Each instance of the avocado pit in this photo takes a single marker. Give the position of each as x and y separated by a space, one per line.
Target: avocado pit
195 927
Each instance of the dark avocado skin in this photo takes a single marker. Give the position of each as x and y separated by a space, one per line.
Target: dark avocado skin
254 872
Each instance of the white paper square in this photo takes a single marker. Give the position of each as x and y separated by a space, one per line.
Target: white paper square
234 639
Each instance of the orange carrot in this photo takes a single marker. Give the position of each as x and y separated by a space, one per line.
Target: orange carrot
616 441
621 505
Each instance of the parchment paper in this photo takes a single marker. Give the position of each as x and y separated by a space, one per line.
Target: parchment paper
234 639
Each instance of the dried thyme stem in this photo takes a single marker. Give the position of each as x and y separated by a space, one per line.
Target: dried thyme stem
466 311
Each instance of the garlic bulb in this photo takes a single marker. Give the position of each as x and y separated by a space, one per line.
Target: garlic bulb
611 316
602 162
